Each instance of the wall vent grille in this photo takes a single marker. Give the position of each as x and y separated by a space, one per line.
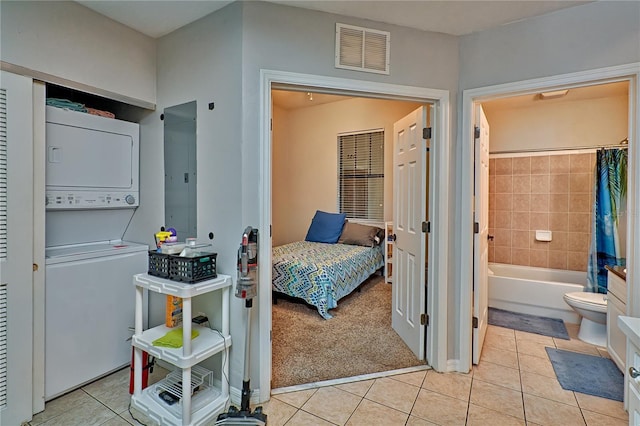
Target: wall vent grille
362 49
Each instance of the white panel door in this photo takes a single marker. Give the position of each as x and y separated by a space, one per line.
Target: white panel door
16 249
409 211
481 238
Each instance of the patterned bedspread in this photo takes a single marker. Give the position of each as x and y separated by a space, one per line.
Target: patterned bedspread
322 274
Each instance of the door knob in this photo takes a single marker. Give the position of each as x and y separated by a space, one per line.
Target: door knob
633 372
392 237
490 237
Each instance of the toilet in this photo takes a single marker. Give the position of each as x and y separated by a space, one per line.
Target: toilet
592 307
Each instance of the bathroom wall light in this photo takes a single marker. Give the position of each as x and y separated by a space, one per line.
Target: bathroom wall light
554 94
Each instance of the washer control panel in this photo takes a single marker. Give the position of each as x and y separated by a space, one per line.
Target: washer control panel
62 200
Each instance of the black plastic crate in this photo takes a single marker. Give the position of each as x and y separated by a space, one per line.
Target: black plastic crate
192 269
158 264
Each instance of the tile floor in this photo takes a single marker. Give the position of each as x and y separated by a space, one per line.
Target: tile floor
513 384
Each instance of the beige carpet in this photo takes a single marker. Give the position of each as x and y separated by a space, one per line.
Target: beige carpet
357 340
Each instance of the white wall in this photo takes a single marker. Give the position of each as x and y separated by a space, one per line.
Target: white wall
305 161
594 35
280 175
201 62
71 42
549 124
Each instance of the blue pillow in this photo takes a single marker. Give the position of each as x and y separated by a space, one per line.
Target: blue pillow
326 227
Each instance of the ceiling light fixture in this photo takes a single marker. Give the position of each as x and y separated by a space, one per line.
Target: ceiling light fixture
554 94
310 95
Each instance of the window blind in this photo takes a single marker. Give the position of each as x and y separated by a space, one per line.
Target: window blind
361 175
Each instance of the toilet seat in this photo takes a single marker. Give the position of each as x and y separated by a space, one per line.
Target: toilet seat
596 302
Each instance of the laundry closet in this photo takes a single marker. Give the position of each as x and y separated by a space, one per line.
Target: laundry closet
92 192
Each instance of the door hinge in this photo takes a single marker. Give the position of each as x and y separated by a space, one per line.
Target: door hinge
476 227
426 227
426 133
424 319
476 132
474 322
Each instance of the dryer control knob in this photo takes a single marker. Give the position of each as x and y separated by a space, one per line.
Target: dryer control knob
130 199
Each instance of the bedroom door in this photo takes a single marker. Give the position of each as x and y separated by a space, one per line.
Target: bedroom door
481 236
409 211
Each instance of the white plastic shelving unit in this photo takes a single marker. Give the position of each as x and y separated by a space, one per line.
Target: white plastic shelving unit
200 399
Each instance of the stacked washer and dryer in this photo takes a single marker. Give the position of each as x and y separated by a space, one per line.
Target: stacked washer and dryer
92 192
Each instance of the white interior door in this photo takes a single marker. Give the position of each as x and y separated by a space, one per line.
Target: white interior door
409 211
481 237
16 249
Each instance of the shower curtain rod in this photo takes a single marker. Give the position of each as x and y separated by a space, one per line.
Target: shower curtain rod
623 144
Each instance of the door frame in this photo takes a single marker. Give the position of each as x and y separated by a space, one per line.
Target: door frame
628 72
438 273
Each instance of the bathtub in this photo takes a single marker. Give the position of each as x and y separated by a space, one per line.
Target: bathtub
534 291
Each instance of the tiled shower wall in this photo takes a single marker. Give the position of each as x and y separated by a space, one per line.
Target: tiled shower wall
541 192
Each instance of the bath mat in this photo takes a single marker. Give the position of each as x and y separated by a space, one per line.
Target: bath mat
552 327
588 374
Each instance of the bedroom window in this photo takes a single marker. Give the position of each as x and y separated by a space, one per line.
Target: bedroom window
361 175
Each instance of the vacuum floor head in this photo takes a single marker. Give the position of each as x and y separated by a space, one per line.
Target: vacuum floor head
235 417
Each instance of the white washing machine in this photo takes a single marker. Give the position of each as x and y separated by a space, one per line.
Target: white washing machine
90 303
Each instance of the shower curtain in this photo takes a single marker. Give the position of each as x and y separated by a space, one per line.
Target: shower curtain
609 201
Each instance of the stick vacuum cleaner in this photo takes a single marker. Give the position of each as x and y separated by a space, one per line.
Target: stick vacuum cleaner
246 288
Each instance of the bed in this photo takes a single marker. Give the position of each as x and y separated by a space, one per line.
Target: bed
322 273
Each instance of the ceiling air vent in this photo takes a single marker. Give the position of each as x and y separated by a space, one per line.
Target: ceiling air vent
362 49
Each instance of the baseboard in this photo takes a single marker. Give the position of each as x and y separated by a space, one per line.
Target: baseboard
455 365
235 396
341 381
